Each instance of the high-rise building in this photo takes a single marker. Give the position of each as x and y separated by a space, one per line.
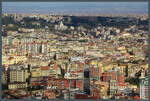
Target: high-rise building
144 89
18 75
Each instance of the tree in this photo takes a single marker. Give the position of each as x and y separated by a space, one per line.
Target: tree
112 32
138 74
126 71
55 57
63 71
4 34
133 80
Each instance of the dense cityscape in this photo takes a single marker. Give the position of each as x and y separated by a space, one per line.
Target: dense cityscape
74 57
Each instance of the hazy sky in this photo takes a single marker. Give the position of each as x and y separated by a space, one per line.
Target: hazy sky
75 7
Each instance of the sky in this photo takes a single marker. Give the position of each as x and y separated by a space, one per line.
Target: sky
76 7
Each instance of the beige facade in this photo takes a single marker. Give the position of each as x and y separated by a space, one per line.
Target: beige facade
18 75
17 85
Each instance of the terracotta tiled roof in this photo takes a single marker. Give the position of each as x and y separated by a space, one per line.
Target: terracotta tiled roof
45 68
10 58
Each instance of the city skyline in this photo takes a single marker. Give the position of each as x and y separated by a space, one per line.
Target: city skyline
56 52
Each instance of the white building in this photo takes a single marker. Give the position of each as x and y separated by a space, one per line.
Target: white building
144 89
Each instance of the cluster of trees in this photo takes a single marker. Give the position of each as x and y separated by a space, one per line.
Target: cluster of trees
38 87
8 20
26 22
134 80
143 24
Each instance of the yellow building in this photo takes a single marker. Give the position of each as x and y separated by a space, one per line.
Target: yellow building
145 66
132 86
20 85
110 66
7 60
20 58
45 71
35 71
